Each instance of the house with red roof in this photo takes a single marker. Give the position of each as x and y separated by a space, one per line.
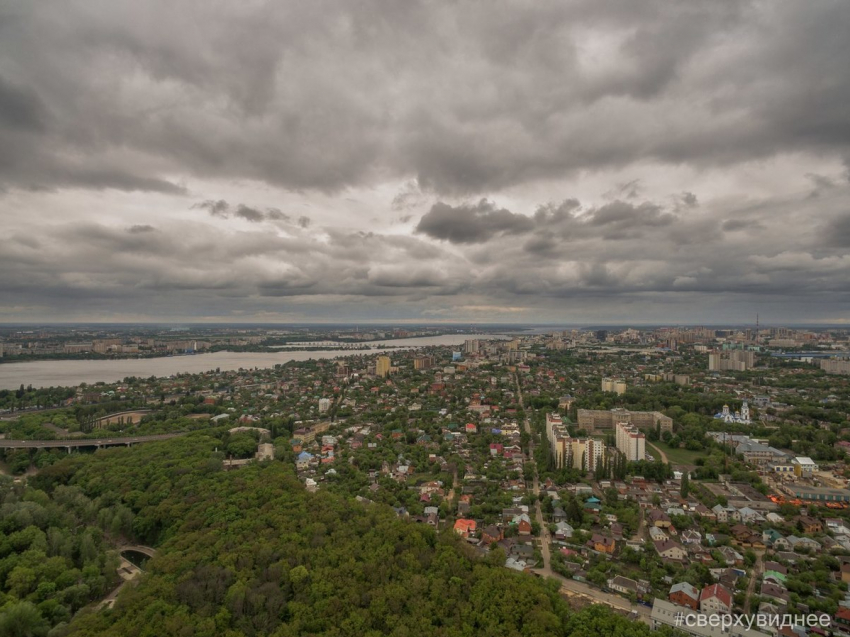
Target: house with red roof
842 617
715 600
465 528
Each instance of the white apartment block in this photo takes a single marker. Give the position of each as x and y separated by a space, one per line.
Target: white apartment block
630 442
580 453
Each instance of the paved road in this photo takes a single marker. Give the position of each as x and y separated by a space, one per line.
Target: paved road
14 415
568 586
573 587
538 512
82 442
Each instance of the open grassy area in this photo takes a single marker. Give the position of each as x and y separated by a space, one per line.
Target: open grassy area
676 456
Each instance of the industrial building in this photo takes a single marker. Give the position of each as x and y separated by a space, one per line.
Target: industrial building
819 494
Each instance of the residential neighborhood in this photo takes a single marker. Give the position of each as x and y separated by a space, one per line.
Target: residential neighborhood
721 492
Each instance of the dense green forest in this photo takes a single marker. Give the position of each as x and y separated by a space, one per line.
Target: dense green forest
251 552
53 557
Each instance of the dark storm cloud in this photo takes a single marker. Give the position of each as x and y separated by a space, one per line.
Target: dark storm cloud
821 182
837 232
220 208
471 223
139 229
20 108
543 245
623 213
462 97
251 214
274 214
733 225
689 199
598 275
481 222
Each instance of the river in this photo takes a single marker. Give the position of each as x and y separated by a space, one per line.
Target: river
69 373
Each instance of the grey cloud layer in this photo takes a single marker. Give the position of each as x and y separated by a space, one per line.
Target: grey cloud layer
635 255
212 114
465 97
481 222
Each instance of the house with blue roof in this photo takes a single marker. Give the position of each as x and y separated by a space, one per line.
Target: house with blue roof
302 460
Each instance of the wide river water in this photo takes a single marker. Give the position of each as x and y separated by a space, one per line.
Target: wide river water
68 372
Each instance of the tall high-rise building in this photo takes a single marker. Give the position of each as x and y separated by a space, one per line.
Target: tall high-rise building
423 362
382 366
470 346
631 442
579 453
324 405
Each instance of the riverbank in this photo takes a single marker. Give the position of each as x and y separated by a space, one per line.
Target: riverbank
267 349
70 373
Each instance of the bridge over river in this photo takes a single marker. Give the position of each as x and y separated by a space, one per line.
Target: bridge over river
77 443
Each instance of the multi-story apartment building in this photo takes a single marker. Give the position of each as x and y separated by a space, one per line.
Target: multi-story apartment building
382 366
613 385
598 421
835 366
581 453
630 442
737 360
423 362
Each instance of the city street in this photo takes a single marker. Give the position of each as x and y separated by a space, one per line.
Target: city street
568 586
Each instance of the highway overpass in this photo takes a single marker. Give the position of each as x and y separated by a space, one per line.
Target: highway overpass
78 443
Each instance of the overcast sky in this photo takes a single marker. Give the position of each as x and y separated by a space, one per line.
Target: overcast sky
539 161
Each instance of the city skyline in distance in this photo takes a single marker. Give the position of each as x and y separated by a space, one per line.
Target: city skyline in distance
558 163
461 327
